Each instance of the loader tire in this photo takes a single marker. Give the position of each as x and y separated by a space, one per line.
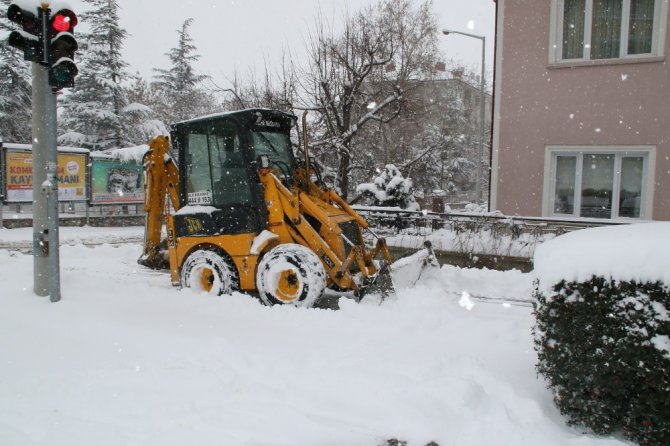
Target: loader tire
290 274
207 271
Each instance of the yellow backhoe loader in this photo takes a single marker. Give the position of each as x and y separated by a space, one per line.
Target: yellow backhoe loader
248 215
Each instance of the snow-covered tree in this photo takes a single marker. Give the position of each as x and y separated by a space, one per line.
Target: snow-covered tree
182 95
390 188
92 111
15 89
358 77
138 116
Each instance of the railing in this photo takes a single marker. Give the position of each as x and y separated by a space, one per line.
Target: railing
483 240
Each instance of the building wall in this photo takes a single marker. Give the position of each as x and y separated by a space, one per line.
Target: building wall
592 104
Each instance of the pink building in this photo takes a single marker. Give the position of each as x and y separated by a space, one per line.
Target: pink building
581 124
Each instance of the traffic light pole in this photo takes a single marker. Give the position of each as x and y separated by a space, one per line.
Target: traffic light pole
48 42
46 262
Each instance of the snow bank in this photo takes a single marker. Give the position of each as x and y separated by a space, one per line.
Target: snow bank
639 252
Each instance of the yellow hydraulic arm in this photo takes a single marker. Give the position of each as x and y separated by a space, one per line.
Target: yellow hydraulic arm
161 179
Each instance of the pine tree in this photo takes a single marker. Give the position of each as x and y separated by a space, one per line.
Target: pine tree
92 112
180 85
15 89
138 117
390 188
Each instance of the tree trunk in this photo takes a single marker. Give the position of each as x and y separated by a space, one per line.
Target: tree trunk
343 173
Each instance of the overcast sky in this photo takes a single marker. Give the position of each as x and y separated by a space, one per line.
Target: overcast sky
240 34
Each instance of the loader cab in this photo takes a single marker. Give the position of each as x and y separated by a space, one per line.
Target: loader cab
219 166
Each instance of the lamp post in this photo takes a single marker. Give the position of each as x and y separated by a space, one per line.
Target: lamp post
482 108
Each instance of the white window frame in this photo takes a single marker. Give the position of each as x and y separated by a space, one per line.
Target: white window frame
556 34
647 153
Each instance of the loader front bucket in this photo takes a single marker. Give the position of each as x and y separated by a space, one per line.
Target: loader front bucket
381 284
403 273
407 272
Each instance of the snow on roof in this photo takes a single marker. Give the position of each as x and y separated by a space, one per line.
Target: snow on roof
230 113
127 154
29 148
639 252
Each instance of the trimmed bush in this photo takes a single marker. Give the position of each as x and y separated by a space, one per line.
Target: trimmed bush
604 348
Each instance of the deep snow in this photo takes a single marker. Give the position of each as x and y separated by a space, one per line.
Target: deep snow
126 359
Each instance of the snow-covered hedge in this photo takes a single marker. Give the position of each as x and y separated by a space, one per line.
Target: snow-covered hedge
603 328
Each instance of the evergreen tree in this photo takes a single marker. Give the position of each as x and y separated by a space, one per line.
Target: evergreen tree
15 89
390 188
138 117
92 111
180 86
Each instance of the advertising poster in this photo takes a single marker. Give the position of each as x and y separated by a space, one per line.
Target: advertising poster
116 182
19 176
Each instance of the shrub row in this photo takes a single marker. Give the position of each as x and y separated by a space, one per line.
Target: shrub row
604 348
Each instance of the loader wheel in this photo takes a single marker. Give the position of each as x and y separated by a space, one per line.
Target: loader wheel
207 271
290 274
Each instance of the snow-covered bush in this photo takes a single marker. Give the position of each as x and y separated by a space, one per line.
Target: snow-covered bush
390 189
603 327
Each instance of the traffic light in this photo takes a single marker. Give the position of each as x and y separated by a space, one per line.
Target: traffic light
62 46
31 38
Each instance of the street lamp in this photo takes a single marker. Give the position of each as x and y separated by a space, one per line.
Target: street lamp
482 108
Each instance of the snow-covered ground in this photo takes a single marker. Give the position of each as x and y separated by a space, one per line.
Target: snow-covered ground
126 359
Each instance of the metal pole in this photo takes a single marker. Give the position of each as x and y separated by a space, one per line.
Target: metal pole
482 109
482 117
40 211
46 267
2 196
52 198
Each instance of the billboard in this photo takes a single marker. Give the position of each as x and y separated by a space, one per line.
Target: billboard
18 176
116 182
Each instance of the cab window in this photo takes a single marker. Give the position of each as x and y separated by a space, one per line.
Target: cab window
216 170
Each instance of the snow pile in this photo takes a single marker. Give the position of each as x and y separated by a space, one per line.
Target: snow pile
125 358
638 252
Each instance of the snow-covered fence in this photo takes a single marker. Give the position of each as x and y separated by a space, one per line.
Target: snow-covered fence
489 234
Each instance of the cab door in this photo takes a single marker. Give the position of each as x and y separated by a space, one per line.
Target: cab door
218 182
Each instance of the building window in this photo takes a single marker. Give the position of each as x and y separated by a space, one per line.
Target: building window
599 183
607 29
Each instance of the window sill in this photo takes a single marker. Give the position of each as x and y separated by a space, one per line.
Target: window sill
604 62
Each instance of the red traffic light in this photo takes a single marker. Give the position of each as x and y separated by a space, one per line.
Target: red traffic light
64 21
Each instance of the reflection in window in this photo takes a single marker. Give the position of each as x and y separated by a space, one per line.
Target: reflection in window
606 29
564 200
641 26
216 172
597 184
573 29
630 194
198 177
277 147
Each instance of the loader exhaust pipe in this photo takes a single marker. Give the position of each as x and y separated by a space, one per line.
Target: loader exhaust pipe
305 148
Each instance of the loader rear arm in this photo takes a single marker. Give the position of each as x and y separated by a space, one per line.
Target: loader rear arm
161 179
